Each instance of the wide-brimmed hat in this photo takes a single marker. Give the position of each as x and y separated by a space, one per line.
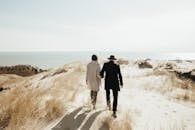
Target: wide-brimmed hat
112 57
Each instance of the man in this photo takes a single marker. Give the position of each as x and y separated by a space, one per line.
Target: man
93 79
112 78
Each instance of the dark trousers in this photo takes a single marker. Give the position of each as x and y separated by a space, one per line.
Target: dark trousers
93 97
115 97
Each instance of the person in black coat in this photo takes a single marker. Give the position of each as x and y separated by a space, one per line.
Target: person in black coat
112 79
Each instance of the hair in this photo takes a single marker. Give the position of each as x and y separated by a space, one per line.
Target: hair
94 57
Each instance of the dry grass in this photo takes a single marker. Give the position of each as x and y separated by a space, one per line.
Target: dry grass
172 85
6 80
123 123
33 104
21 106
59 71
122 61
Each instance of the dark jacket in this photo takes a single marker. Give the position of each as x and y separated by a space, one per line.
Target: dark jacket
113 75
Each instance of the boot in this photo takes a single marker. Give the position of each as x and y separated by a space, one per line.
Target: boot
114 114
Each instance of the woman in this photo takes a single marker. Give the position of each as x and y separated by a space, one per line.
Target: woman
93 78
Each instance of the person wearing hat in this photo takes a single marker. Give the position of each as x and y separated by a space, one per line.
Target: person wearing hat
93 79
112 78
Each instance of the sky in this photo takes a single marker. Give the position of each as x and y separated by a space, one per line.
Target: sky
97 25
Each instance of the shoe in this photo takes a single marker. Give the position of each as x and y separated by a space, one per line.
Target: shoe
114 115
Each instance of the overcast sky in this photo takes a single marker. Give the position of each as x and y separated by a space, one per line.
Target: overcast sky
100 25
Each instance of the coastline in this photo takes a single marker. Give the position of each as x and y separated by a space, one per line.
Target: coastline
48 60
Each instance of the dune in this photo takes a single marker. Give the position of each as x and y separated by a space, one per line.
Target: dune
58 99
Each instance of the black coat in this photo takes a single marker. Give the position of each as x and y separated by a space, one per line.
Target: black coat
113 75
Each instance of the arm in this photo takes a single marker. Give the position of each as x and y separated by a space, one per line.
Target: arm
98 75
87 74
98 72
102 71
120 76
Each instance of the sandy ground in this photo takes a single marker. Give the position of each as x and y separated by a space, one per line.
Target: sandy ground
141 100
149 110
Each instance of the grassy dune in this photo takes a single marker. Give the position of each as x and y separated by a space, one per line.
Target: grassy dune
38 101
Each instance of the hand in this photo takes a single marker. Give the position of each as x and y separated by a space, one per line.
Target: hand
121 85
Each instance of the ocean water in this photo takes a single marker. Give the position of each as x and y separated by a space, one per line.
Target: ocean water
48 60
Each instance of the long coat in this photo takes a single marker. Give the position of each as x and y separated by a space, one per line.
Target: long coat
113 75
93 78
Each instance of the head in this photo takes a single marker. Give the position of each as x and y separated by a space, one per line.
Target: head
94 58
112 58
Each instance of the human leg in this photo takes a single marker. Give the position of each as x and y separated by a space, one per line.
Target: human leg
115 102
108 98
93 98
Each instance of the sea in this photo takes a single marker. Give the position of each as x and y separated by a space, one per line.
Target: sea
47 60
